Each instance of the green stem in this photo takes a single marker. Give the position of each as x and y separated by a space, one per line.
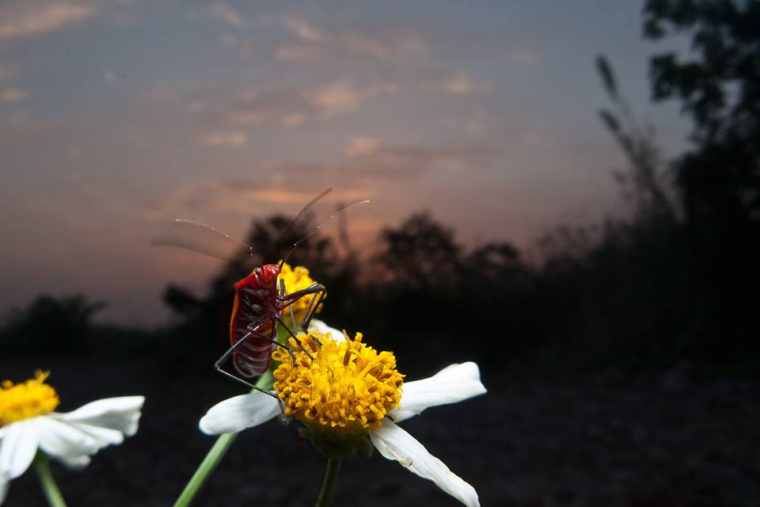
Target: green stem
214 456
220 447
49 487
328 483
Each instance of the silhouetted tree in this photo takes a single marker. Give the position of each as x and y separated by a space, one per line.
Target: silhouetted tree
421 253
180 300
62 325
718 85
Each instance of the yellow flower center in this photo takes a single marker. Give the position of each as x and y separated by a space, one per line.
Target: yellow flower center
298 279
27 399
344 387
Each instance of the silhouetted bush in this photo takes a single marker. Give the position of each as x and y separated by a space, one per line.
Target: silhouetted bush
59 325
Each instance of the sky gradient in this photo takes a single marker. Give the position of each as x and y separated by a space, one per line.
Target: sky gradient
116 116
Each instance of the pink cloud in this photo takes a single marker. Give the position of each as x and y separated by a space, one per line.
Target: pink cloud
230 138
30 18
310 43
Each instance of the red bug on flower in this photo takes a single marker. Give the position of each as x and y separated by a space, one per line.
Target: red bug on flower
259 302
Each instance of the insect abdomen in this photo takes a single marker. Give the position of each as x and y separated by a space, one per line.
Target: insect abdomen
252 314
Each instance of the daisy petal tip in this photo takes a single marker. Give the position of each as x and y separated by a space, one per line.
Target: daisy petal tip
206 426
238 413
395 444
133 422
203 426
75 462
134 402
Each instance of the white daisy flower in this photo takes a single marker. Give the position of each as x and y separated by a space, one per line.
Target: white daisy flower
28 425
344 391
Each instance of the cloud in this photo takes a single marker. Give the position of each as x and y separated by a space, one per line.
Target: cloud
377 161
297 53
12 95
390 45
232 138
284 107
245 197
473 124
309 43
226 13
362 146
29 18
370 167
253 108
302 29
371 163
338 97
293 120
459 83
389 175
344 97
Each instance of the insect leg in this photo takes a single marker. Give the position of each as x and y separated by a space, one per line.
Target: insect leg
274 342
313 308
300 345
313 305
219 362
295 296
283 292
218 366
292 316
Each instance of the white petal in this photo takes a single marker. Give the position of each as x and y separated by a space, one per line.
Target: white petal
238 413
396 444
121 414
321 327
452 384
75 462
18 447
73 436
60 439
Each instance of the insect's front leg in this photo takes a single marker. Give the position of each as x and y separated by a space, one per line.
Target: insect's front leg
313 307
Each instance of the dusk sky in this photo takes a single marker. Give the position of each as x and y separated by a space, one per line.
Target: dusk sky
116 116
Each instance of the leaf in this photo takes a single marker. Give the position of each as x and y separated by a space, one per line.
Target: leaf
610 121
608 76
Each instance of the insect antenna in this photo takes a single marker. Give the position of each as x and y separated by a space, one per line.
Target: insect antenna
217 231
198 237
316 229
305 210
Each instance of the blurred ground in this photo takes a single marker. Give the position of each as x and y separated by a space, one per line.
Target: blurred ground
668 442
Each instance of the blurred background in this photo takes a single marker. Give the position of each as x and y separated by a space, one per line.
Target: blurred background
568 194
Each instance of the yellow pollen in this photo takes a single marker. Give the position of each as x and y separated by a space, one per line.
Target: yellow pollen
298 279
27 399
344 387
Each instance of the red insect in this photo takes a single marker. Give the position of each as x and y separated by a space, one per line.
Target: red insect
259 302
258 307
